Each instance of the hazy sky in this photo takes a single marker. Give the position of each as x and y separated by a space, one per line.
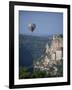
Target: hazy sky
47 23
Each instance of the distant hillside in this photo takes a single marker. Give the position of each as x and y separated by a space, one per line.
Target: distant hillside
34 44
31 48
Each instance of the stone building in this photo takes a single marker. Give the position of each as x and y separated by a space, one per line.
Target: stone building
54 52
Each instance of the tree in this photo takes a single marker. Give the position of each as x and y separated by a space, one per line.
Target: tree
23 73
39 74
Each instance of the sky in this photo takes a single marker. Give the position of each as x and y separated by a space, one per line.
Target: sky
47 23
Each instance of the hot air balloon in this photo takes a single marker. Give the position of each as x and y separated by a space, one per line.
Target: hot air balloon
31 27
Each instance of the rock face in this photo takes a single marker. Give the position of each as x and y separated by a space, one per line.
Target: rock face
52 54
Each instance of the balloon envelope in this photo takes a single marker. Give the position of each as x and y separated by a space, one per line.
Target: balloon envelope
31 27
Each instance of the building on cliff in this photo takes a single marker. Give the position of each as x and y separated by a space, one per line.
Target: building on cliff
53 53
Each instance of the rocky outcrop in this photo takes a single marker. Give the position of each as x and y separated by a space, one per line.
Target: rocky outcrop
53 54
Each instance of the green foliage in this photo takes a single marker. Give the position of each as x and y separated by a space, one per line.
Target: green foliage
23 73
39 74
60 36
59 72
60 69
51 72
